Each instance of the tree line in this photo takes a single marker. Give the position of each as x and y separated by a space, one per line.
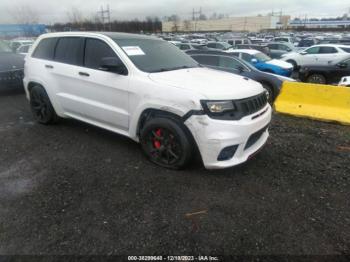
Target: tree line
149 25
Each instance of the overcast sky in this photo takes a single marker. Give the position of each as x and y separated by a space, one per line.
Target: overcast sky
52 11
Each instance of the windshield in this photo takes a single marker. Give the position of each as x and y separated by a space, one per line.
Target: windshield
4 47
153 55
262 57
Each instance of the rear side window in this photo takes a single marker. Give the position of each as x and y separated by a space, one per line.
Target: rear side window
95 50
45 49
246 57
69 50
212 45
346 49
207 60
228 62
327 50
185 47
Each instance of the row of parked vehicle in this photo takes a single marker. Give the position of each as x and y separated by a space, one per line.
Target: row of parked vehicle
318 63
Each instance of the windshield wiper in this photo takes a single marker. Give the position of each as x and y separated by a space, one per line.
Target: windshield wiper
172 69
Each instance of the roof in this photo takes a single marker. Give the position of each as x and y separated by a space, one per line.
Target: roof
247 51
113 35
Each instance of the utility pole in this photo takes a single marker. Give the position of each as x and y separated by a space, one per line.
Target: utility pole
105 15
195 18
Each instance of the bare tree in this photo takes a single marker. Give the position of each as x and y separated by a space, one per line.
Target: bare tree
75 16
24 14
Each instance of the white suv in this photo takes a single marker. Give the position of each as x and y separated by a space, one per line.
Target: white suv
147 89
317 55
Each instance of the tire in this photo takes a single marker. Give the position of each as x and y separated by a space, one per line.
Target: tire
269 89
295 65
41 107
316 79
166 143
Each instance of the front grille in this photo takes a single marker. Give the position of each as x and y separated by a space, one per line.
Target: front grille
11 76
252 105
242 108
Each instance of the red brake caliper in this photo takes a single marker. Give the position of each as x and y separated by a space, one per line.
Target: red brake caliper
157 144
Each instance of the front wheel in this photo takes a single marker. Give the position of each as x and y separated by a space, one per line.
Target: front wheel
316 79
166 143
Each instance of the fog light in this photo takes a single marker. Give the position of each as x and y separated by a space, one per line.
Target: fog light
227 153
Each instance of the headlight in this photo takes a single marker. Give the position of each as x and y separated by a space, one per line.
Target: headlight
217 107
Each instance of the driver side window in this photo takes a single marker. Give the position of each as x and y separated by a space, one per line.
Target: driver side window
246 57
95 50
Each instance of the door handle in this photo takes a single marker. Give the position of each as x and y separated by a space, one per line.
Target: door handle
83 74
49 66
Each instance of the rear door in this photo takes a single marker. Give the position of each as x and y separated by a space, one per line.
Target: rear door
326 55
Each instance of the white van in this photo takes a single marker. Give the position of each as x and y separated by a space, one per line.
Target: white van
147 89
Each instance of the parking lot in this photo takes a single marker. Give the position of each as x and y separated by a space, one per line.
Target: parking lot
73 188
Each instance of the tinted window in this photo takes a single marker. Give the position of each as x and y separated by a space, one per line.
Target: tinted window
95 50
69 50
228 62
212 45
238 42
313 50
246 57
207 60
327 50
346 49
45 49
24 49
273 46
185 47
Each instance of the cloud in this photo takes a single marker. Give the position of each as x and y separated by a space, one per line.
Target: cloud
56 11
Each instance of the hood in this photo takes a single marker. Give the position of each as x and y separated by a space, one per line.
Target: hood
11 61
210 83
280 63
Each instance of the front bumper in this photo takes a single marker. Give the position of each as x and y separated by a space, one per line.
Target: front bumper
11 78
212 136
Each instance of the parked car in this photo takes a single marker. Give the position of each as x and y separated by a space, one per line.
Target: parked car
264 63
277 49
317 55
345 81
286 39
11 67
307 42
262 48
147 89
17 43
325 74
24 49
238 41
191 46
230 63
224 46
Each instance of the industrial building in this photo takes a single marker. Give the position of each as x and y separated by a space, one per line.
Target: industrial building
318 24
8 31
249 23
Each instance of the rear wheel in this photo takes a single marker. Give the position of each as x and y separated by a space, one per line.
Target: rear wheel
166 143
295 65
316 79
41 106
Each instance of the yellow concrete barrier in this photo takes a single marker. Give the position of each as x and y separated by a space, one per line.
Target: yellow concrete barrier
322 102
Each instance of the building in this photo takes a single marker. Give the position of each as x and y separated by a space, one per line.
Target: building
318 24
250 24
21 30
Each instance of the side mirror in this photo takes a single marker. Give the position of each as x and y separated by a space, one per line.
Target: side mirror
289 50
113 64
303 53
240 69
254 60
342 65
